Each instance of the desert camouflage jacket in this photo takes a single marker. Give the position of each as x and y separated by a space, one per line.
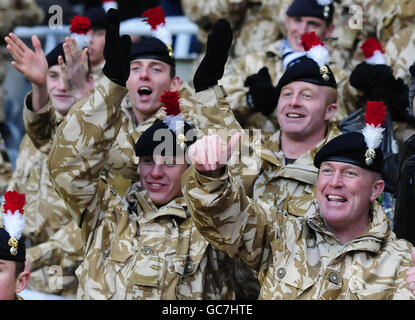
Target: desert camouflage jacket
299 257
132 249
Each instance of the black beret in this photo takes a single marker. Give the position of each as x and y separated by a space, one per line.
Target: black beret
367 76
52 56
307 70
97 17
349 148
310 8
5 248
151 48
160 134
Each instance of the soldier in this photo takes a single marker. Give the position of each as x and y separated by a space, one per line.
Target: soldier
143 245
342 248
56 245
250 80
97 43
13 276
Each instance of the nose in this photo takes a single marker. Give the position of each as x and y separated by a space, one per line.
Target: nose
61 84
144 73
157 171
294 100
336 180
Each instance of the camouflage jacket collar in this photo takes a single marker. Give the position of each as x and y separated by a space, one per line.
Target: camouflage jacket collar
147 209
143 126
377 232
303 168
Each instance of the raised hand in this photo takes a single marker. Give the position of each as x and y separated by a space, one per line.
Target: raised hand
74 69
32 64
261 95
116 51
212 66
211 153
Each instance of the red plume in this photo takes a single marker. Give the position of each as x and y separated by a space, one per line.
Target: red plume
155 17
370 46
14 201
309 40
170 99
80 25
375 113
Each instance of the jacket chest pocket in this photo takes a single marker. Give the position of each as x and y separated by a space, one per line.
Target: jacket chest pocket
286 278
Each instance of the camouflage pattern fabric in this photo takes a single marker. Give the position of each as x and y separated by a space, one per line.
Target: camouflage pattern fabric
298 257
393 17
45 215
400 52
132 250
252 22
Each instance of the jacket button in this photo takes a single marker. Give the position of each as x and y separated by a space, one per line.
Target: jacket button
106 252
281 273
334 277
147 251
189 266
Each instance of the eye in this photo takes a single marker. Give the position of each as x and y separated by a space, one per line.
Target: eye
326 170
350 173
147 160
287 93
307 95
156 69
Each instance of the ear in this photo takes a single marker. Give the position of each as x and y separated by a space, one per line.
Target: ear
175 83
330 30
377 189
330 111
22 280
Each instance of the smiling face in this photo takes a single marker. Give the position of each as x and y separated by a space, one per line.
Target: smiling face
304 109
61 99
297 26
161 177
148 80
344 194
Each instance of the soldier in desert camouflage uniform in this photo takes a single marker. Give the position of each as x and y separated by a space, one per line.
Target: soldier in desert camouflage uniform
56 246
250 87
12 14
143 246
342 248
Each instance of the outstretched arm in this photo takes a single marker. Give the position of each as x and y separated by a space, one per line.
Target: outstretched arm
85 137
